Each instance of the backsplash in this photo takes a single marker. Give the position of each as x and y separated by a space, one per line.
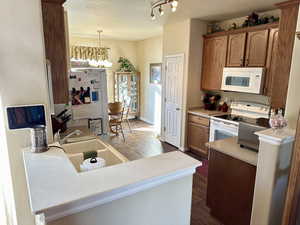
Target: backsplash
234 96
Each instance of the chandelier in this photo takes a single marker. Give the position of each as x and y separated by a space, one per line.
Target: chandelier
94 56
159 5
103 62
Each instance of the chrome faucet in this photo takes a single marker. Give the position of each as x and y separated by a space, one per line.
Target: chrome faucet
64 140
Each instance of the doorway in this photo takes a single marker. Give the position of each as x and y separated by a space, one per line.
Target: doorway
173 94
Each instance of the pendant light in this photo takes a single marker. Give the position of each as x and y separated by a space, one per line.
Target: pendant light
103 61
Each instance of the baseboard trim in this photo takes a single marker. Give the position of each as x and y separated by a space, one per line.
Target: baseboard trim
183 148
146 120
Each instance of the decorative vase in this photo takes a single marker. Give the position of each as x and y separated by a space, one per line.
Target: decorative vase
277 121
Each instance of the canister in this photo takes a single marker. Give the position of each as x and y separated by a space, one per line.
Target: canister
38 139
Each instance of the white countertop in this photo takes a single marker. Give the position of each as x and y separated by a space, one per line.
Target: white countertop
230 147
277 137
53 181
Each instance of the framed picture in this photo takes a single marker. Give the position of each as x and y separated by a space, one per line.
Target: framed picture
155 73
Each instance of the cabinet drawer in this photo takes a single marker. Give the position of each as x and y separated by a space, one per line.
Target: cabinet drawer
199 120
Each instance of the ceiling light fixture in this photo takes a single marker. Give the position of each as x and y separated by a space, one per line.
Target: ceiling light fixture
103 62
152 15
161 11
159 4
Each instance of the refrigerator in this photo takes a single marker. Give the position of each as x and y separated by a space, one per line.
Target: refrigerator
88 96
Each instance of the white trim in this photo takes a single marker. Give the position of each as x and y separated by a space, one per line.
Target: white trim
183 148
175 55
94 201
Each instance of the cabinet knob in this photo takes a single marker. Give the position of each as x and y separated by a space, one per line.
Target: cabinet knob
247 62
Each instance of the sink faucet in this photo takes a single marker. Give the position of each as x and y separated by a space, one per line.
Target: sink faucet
64 140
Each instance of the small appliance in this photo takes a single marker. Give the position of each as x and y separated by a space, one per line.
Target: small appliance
39 139
247 79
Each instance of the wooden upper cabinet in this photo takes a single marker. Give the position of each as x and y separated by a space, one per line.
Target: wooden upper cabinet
271 64
256 50
245 47
236 50
55 48
214 60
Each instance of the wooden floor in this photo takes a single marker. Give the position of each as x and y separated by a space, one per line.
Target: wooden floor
142 142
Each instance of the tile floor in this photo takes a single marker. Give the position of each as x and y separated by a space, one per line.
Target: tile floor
142 142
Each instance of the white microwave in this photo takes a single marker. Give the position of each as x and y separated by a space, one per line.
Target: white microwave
247 79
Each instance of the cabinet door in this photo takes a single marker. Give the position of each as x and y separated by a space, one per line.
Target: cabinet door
197 137
230 188
56 50
271 64
257 46
214 60
236 49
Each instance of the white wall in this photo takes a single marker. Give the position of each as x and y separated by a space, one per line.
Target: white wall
176 40
23 81
150 51
166 204
194 93
186 37
293 103
118 48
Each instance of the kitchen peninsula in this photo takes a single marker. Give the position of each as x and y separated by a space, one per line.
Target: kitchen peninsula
60 195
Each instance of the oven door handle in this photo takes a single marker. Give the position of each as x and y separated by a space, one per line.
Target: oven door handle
220 123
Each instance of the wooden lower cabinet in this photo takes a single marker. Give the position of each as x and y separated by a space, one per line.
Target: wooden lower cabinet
230 189
198 135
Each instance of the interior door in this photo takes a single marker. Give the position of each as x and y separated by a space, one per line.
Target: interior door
173 99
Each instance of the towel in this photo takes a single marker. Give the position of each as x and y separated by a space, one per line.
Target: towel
90 154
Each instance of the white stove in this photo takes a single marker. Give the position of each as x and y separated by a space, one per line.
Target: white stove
226 126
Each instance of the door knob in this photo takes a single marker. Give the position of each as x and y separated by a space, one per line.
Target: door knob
177 109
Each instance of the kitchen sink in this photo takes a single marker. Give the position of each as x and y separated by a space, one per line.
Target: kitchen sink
110 158
84 146
75 152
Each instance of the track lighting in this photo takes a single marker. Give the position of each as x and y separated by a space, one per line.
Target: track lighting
159 4
173 8
152 15
161 11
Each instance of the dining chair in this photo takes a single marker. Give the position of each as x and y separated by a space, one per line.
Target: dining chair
116 113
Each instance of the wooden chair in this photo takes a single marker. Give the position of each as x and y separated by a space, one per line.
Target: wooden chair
116 112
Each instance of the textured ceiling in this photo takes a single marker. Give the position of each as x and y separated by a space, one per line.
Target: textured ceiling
130 19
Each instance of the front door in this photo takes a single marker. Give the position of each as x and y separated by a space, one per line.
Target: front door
173 99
